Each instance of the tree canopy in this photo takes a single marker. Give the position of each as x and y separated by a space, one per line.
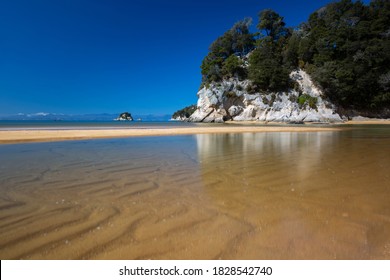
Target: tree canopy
266 67
238 42
348 52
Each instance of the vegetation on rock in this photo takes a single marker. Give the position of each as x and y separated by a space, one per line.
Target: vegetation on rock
184 113
225 58
345 46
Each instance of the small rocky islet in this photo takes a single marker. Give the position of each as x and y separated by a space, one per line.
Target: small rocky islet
126 116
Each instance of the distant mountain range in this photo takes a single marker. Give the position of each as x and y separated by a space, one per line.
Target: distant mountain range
42 116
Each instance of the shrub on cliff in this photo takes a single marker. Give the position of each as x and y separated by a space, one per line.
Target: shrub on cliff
233 66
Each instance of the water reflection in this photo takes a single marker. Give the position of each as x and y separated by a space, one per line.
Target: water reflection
293 156
302 195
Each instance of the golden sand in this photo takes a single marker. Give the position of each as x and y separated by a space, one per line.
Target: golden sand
20 136
319 195
230 192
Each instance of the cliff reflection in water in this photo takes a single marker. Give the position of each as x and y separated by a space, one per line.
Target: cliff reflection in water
300 195
269 160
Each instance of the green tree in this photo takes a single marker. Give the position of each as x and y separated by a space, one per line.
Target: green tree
272 24
347 48
242 39
236 41
290 52
233 67
266 68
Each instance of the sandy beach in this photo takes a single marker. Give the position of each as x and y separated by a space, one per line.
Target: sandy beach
50 135
44 135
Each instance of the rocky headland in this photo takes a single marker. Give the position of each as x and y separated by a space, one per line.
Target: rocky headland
233 99
332 68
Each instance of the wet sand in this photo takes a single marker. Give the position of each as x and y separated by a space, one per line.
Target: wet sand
366 121
373 121
285 195
49 135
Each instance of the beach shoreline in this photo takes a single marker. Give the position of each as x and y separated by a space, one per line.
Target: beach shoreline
373 121
52 135
349 122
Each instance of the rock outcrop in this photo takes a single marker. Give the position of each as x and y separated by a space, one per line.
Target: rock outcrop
124 117
235 100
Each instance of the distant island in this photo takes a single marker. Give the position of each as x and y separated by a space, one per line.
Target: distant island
105 117
126 116
331 68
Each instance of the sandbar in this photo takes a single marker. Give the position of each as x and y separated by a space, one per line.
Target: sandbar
44 135
369 121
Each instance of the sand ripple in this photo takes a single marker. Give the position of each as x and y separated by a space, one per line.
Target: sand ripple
203 197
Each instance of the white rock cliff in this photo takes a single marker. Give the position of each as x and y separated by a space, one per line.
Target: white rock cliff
230 100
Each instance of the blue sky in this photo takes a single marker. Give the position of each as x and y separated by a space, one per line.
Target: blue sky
109 56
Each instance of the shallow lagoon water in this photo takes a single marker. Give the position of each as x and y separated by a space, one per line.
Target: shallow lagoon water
318 195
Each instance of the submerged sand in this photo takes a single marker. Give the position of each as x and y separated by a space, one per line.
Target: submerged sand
320 195
45 135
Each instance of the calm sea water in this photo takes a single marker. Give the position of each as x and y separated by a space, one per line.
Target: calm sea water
320 195
12 125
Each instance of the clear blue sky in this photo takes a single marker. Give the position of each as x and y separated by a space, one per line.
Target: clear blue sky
109 56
